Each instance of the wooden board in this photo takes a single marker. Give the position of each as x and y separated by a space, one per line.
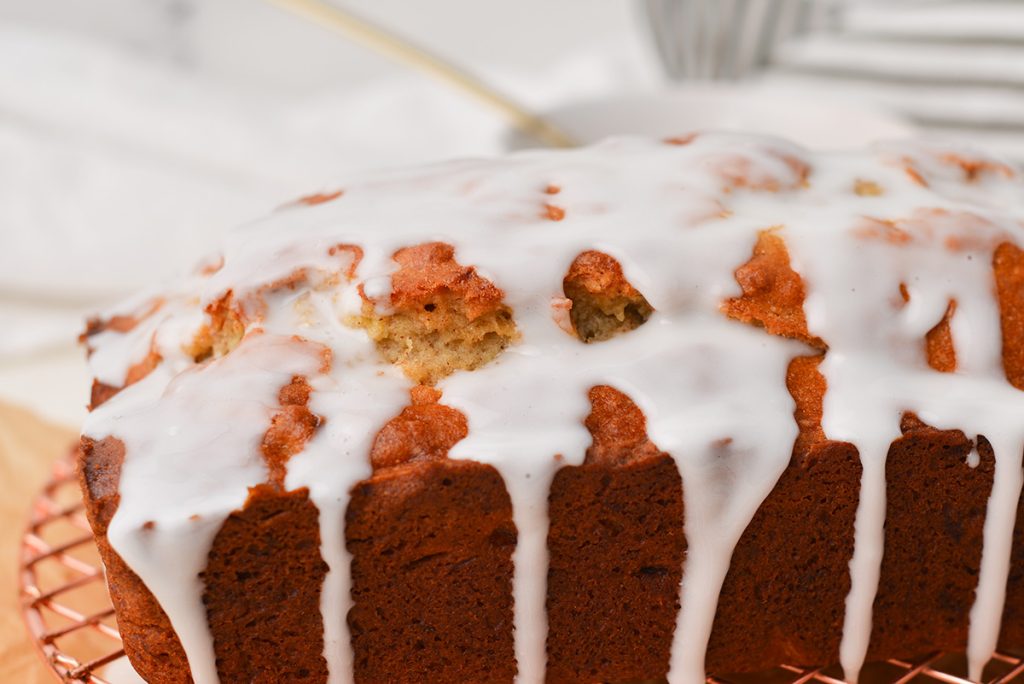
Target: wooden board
28 447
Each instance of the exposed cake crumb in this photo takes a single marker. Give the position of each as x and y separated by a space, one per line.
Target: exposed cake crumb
222 334
445 316
604 303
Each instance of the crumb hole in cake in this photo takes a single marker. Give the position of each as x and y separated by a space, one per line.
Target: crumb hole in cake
444 316
603 303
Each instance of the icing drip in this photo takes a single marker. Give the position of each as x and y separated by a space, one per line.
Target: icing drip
680 219
170 511
358 395
729 461
876 371
1000 517
527 463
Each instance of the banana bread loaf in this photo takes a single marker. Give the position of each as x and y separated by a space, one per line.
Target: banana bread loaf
635 412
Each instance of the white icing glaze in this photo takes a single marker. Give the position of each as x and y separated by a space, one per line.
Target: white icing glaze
713 390
876 369
359 396
170 509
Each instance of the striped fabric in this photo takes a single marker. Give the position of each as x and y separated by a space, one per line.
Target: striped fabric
956 69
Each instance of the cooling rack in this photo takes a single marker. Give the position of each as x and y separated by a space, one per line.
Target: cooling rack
68 612
63 592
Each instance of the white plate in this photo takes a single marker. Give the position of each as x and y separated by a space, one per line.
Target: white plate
793 115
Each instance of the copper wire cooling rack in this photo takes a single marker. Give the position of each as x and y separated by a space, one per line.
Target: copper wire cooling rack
63 592
68 612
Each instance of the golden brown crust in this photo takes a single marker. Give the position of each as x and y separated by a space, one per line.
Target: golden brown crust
424 431
290 428
1008 265
807 386
553 212
100 393
773 293
913 174
885 230
445 316
596 273
939 343
681 139
120 323
125 323
867 188
429 271
354 254
618 429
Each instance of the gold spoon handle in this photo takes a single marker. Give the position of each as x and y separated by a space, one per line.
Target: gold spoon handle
387 43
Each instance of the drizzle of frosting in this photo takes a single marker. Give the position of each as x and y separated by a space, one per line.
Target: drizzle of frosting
680 219
170 509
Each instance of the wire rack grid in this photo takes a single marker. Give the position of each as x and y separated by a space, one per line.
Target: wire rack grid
70 617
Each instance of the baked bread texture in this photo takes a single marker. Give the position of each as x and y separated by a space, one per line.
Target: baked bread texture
637 412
